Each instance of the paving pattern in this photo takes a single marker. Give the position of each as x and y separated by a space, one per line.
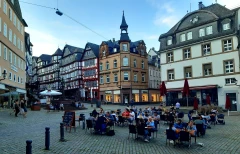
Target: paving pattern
14 131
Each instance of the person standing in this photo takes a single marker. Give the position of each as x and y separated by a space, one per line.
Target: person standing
131 102
16 108
177 106
23 108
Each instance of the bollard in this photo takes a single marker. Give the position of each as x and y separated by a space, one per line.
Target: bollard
62 132
47 138
29 147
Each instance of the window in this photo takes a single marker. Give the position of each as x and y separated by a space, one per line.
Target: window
134 49
14 39
135 63
125 61
5 52
189 35
115 50
207 69
10 14
18 79
21 80
5 29
124 47
101 67
115 63
142 64
201 32
14 77
125 76
10 56
14 20
227 45
107 65
170 57
15 59
226 26
22 47
182 37
229 68
0 24
188 72
115 77
143 77
206 49
0 51
10 75
104 53
18 25
170 74
209 30
5 6
135 78
230 81
10 35
107 79
169 42
187 53
18 43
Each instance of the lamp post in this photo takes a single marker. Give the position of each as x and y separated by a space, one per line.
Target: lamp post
63 85
4 73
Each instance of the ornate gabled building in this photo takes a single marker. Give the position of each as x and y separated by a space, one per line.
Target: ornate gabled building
123 69
71 70
204 48
90 69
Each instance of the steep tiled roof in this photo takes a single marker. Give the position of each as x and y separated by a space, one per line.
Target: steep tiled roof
124 23
45 57
94 47
58 52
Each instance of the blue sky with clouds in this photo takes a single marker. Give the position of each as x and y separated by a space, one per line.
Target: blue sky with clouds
147 19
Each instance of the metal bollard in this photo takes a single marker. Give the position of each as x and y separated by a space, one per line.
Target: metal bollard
47 138
29 147
83 122
62 132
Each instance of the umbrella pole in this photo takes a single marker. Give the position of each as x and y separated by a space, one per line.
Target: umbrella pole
228 112
187 101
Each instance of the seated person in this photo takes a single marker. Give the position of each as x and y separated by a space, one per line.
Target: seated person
171 127
150 128
76 104
140 112
114 115
190 114
126 113
94 112
199 120
51 107
178 124
100 124
156 118
101 111
145 115
191 128
109 119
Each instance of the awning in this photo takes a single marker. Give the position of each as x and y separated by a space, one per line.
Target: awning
2 86
10 93
194 88
21 91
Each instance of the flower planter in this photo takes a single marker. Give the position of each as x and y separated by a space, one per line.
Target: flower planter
36 107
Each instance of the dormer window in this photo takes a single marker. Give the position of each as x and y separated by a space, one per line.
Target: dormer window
142 52
189 35
104 53
115 50
169 42
201 32
226 26
134 49
182 37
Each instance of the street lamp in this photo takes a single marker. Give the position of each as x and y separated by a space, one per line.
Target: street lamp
4 75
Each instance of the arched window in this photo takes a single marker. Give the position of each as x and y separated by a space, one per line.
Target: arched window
135 63
107 65
142 64
115 63
100 67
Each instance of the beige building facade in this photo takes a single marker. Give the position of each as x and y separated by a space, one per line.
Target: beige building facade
123 69
12 50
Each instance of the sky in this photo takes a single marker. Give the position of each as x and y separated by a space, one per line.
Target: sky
146 19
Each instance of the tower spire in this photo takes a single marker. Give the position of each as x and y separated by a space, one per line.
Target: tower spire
124 30
123 25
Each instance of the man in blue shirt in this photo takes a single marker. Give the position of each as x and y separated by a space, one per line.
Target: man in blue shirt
178 124
150 128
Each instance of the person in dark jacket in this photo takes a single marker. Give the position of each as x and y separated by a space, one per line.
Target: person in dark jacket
16 108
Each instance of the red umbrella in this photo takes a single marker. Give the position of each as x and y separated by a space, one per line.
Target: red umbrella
208 100
186 89
163 89
195 103
228 103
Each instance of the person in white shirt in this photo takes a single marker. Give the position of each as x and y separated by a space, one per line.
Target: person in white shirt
177 106
132 115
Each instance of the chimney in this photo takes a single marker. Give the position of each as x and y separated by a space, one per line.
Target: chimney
113 39
200 5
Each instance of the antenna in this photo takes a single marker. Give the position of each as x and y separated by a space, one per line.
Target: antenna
190 6
57 4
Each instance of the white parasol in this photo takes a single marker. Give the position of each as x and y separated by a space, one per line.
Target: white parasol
50 93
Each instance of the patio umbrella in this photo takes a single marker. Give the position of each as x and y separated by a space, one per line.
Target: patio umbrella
195 103
208 99
50 93
186 89
163 89
228 103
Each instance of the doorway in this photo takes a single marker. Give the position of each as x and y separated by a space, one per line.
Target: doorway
125 98
233 100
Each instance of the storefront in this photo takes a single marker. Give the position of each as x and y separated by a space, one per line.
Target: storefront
135 95
108 96
154 96
116 96
144 95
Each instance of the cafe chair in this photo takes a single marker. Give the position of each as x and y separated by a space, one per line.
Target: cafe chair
185 137
89 126
170 136
132 130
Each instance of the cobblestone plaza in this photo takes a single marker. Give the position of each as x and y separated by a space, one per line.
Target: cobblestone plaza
15 131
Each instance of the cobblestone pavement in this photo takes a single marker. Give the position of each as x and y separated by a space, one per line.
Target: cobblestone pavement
15 131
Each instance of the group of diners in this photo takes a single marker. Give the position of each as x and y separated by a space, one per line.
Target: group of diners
149 118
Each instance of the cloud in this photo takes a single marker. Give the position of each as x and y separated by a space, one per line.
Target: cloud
168 8
151 37
170 21
230 3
